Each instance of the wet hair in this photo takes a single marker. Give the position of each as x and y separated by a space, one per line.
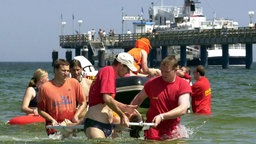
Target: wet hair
74 63
200 69
38 74
170 61
59 62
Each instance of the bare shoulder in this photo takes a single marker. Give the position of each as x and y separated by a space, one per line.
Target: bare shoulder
31 90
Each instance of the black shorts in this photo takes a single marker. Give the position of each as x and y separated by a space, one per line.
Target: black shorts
106 128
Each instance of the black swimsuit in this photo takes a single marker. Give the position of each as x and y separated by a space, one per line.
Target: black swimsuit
33 102
106 128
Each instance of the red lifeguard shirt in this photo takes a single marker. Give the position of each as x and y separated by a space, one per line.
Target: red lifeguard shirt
201 96
105 82
164 97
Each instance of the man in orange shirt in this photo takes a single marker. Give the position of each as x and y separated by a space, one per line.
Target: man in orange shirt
58 98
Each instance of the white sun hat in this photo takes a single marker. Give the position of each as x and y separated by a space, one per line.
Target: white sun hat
126 59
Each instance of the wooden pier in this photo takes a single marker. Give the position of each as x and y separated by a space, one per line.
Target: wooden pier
204 38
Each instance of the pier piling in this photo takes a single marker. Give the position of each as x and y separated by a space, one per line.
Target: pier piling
101 58
203 55
85 52
69 55
183 56
249 56
225 56
55 56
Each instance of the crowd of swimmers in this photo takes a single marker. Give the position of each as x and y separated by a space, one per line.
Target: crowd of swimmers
73 99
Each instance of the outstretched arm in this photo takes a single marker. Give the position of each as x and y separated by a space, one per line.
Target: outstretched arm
113 105
139 98
151 72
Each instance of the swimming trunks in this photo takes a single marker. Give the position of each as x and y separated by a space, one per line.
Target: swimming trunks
106 128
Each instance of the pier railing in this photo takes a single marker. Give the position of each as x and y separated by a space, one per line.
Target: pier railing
167 38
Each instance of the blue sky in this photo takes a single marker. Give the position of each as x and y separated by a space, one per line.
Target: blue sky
29 29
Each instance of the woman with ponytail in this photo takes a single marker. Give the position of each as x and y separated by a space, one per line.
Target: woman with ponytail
29 104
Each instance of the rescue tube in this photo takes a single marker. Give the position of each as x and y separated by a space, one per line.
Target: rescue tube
26 119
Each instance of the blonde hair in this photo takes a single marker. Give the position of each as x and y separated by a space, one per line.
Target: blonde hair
38 74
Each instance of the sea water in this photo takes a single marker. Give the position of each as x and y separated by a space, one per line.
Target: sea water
233 106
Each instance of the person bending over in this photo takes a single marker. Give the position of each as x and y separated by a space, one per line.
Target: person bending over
99 118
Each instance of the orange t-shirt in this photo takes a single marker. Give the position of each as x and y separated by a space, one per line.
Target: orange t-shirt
60 101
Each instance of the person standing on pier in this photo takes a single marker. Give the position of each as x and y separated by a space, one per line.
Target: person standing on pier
201 92
93 32
169 99
129 32
140 55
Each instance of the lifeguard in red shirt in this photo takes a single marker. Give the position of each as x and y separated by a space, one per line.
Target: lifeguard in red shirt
169 99
201 92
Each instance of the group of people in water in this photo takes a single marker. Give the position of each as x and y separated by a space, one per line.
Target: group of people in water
78 100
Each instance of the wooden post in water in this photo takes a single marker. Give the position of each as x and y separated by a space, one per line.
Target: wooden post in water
90 55
55 56
183 55
164 52
248 56
78 51
101 57
85 52
203 55
225 56
152 57
69 55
